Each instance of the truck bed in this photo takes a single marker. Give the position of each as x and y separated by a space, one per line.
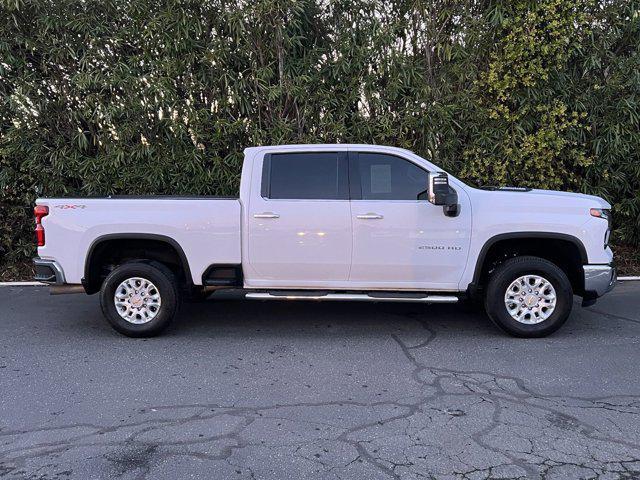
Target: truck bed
207 229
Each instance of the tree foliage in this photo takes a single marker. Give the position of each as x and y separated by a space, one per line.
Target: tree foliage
158 96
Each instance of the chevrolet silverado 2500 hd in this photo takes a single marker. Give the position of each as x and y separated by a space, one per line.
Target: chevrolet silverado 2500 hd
333 222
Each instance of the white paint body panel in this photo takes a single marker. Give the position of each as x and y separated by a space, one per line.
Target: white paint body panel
413 245
322 243
308 244
207 230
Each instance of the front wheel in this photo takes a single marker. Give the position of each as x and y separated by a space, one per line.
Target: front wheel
529 297
140 299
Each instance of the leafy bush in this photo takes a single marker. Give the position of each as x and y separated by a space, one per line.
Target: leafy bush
121 97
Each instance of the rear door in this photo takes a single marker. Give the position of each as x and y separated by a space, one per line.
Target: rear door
400 239
299 225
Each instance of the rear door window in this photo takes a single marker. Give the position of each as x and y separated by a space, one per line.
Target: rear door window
305 176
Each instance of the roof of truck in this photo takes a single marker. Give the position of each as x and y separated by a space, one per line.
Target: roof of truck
315 146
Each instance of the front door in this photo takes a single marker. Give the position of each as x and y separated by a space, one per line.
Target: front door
299 225
400 239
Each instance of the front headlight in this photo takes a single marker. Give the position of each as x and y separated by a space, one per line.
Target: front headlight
605 214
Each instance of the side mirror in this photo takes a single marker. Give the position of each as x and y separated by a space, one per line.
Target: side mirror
438 187
440 193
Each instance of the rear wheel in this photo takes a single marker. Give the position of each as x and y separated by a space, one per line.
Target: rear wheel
140 299
529 297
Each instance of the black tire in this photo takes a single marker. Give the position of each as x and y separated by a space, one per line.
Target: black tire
168 289
511 270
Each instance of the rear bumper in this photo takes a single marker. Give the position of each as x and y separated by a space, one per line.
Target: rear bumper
48 271
599 279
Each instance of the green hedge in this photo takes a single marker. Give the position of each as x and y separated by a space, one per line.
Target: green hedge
157 96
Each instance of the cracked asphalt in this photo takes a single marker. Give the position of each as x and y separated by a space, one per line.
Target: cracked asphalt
277 390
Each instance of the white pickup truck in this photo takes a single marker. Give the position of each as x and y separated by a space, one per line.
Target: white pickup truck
333 222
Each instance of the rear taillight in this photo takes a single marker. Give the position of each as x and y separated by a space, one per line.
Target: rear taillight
39 212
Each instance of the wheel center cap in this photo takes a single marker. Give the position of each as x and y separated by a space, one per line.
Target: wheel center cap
136 301
530 300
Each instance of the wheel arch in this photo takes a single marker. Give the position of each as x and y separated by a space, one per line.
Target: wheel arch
513 240
92 285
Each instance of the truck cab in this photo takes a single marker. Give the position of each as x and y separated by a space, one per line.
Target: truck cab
335 222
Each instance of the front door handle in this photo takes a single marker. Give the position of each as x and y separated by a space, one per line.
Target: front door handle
266 215
369 216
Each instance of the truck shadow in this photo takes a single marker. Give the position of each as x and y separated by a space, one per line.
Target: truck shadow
237 317
305 317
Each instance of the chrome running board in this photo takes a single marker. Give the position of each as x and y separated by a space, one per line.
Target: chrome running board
357 297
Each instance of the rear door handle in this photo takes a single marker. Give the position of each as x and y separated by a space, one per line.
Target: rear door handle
369 216
266 215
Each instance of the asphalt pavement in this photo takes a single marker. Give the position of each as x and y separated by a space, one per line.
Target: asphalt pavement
300 390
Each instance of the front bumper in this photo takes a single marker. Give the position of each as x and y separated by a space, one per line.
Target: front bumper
598 280
48 271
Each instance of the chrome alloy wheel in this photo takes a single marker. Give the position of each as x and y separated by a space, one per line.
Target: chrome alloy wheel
137 300
530 299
